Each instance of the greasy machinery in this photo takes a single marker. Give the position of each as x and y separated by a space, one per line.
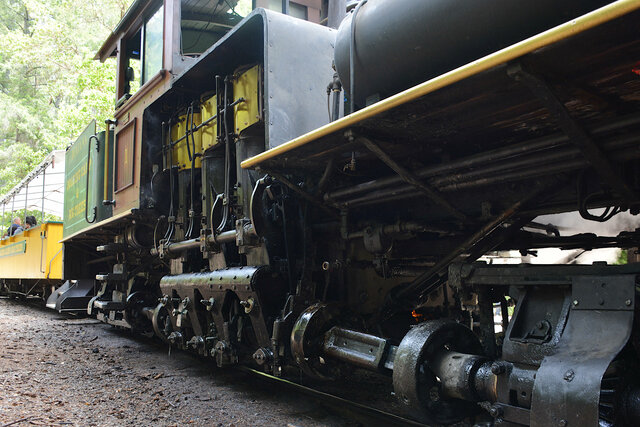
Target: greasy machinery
280 193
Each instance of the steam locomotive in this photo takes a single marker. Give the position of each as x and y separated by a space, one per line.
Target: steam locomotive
276 192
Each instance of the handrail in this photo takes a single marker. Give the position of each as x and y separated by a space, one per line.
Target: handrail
86 190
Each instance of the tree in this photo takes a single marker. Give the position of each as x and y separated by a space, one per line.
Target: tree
50 86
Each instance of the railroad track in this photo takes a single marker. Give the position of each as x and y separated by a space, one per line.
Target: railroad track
367 415
364 414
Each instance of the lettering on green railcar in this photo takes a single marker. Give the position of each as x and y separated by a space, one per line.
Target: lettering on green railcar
76 182
80 174
17 248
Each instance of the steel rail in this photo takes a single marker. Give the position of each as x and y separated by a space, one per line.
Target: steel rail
563 31
382 417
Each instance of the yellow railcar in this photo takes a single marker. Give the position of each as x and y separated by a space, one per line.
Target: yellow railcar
31 260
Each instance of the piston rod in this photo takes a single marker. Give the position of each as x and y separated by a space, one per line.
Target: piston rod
185 245
462 376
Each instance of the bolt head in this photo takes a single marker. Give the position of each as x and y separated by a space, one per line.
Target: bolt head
569 375
562 423
627 302
497 368
575 302
495 411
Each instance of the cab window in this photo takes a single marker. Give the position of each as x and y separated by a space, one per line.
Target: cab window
143 54
152 49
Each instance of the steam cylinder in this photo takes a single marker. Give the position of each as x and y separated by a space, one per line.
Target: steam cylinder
399 44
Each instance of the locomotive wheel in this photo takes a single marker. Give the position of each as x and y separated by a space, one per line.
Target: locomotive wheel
134 313
620 395
161 323
307 338
416 386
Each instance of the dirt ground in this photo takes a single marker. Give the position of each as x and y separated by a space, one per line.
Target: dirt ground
56 370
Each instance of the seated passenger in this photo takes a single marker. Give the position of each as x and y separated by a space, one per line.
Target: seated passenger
15 227
30 221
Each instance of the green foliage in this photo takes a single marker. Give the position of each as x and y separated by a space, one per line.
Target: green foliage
622 257
50 85
7 218
243 7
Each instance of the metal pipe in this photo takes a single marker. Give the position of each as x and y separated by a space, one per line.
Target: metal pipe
224 237
489 156
51 261
200 126
13 203
474 179
619 156
177 247
328 171
418 283
185 245
302 193
578 135
411 179
402 227
454 165
360 349
554 156
44 174
26 200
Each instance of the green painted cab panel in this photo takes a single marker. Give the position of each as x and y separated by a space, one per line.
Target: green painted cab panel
89 154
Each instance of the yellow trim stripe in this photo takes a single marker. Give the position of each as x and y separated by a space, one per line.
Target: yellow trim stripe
553 35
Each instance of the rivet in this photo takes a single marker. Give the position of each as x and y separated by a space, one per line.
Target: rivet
576 302
628 302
